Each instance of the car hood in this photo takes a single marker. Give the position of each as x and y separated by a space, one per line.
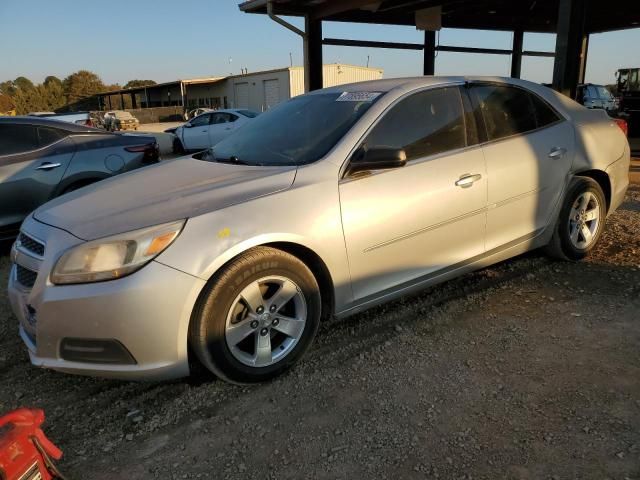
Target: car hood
166 192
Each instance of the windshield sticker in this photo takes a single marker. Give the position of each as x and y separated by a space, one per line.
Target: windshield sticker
358 96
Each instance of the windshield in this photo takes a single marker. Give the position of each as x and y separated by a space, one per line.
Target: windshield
604 93
299 131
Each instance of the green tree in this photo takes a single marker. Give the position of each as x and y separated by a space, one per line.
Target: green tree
8 88
139 83
23 83
81 84
53 92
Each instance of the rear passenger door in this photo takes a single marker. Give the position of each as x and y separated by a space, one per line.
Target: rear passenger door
528 148
404 224
221 125
32 162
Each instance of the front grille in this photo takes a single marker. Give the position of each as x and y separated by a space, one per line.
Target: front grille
31 244
26 277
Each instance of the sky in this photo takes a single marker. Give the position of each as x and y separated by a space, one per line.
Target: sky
165 40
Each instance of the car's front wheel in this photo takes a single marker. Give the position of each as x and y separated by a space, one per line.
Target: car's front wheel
256 317
580 222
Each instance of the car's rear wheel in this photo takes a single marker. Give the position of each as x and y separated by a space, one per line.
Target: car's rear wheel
580 222
256 317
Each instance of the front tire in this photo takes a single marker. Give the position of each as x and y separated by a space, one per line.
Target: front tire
178 148
580 222
256 317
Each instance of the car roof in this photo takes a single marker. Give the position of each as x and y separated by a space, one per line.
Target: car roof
411 83
47 122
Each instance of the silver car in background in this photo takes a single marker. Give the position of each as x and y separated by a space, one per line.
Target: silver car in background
327 204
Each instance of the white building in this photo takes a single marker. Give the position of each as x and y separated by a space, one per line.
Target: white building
255 91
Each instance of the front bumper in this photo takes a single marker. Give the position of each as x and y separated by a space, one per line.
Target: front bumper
147 313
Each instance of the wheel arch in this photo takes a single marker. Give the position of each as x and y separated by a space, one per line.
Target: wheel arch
602 178
304 253
319 269
79 181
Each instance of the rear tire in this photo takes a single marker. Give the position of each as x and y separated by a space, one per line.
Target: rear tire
256 317
580 222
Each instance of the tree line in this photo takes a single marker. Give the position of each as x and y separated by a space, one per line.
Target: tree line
55 94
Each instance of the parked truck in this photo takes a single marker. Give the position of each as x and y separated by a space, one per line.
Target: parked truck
628 83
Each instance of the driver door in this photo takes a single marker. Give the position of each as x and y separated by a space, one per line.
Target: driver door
196 136
402 224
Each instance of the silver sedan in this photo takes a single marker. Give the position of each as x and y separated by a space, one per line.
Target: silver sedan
327 204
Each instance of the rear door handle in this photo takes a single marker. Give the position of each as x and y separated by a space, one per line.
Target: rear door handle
48 166
467 180
557 153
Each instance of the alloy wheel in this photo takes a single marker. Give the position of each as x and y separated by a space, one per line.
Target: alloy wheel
584 220
266 321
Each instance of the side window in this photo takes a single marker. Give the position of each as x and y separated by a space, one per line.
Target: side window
47 135
232 117
17 139
506 110
592 92
423 124
201 120
545 114
220 118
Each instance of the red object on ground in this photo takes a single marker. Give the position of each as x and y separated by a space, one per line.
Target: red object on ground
25 452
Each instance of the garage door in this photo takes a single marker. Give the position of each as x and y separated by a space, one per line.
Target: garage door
271 93
242 95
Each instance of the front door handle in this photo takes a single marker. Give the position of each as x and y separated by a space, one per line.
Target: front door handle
557 153
467 180
48 166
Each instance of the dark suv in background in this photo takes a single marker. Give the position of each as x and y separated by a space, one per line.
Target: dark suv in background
597 96
41 159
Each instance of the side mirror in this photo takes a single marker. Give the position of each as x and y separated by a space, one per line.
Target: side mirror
187 125
377 158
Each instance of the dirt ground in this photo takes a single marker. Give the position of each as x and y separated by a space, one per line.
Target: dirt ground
526 370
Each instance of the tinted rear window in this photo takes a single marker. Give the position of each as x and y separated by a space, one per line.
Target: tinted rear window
17 139
545 114
248 113
48 135
506 111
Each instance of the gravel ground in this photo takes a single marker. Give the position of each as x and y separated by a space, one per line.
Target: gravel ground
527 370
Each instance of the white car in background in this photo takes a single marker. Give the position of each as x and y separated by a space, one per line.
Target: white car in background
205 130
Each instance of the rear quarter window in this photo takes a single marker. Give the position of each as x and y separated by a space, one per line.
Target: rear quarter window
48 135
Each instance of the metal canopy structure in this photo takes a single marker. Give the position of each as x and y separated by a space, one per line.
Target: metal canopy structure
572 20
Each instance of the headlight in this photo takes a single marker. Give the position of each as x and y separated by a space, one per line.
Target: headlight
114 257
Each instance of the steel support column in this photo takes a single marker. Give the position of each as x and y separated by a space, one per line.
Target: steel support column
516 54
584 50
312 54
429 60
134 103
569 46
